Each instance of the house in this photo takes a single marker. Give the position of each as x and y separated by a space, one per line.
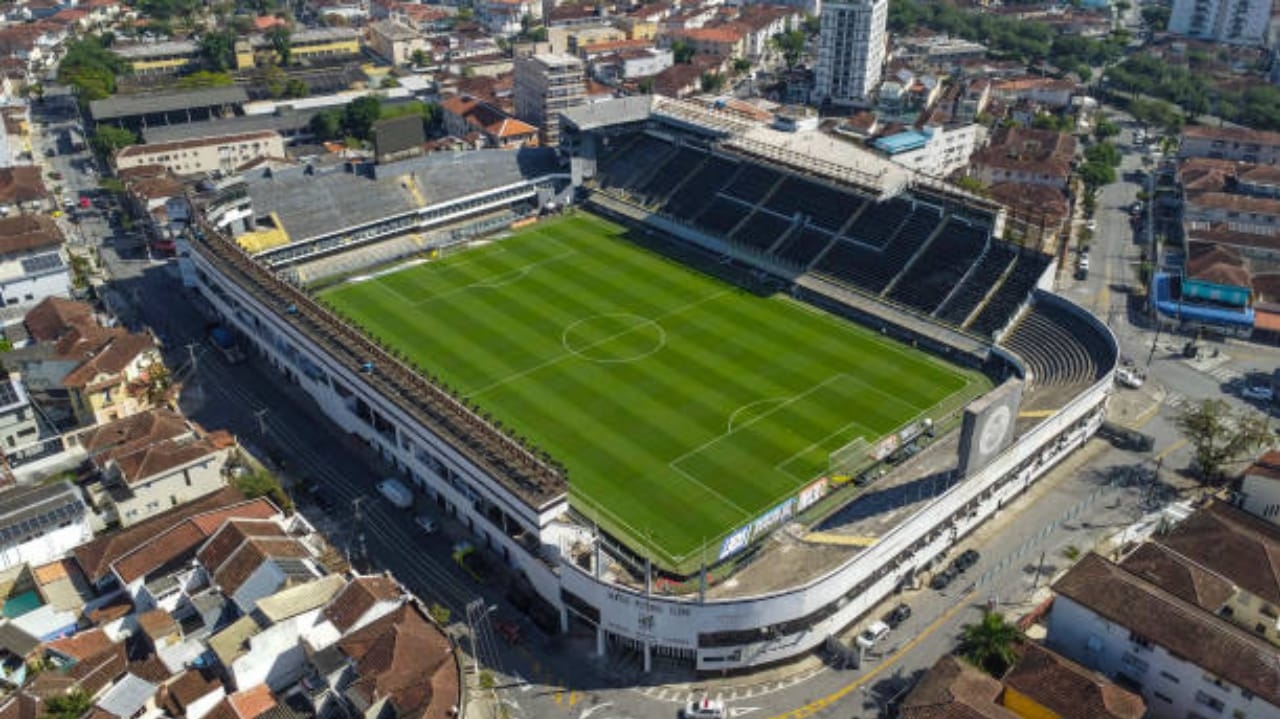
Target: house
1230 143
152 461
106 372
21 189
1046 92
396 41
248 559
363 601
507 17
1026 156
403 662
130 697
125 557
19 423
222 153
727 41
1187 619
32 265
1246 196
41 523
1260 488
88 661
192 694
464 115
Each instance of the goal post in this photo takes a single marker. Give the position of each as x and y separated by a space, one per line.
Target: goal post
844 460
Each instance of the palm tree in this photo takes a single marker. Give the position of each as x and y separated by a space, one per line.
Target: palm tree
990 643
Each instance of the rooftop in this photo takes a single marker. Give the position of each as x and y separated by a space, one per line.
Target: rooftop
407 660
22 234
119 106
28 510
1068 689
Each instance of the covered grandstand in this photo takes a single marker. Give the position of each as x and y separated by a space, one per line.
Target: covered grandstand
898 254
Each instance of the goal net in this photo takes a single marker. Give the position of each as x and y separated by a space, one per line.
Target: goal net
844 460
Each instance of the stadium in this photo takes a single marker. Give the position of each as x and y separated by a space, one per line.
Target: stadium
711 390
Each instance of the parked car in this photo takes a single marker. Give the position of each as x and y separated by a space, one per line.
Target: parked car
967 558
943 578
1129 377
396 493
897 615
873 634
1260 392
704 708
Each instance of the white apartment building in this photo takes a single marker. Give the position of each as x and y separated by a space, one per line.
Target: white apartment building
546 85
32 266
1238 22
851 50
203 155
933 150
41 523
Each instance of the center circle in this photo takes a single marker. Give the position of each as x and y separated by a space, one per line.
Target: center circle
613 337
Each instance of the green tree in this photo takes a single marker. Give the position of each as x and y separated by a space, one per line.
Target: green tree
991 643
360 114
204 78
261 483
295 88
1096 174
419 58
279 37
68 706
970 184
107 139
326 125
741 65
91 69
791 45
682 52
646 86
218 50
712 81
1103 153
1157 16
389 82
811 25
1220 437
1105 129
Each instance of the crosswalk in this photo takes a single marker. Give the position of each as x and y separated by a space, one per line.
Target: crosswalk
1225 374
684 694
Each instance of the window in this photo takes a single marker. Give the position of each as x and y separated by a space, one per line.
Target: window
1170 677
1140 640
1134 663
1162 697
1210 701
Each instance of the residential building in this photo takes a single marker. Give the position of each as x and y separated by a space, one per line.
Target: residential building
396 41
464 115
1026 156
1039 684
1046 92
160 58
1244 196
623 65
152 461
545 85
851 51
21 189
1260 488
32 266
203 155
1240 144
248 559
727 41
42 523
933 149
508 17
1188 619
1238 22
312 45
19 425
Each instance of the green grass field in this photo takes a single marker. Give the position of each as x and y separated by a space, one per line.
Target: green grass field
682 406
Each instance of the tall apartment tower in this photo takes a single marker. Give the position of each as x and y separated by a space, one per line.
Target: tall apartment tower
1239 22
851 45
544 86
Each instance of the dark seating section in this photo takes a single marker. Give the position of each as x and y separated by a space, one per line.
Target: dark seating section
1058 347
826 206
665 178
855 264
803 246
940 268
914 232
978 284
698 189
876 225
626 160
761 230
721 215
752 183
1010 295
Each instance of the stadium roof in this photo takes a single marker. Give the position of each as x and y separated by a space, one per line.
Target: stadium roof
143 104
284 123
311 202
610 112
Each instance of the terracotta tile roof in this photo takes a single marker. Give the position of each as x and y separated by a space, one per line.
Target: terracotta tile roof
55 316
93 674
953 689
118 608
1180 576
110 439
251 703
21 705
222 710
1221 233
1030 200
1181 628
489 119
123 348
722 34
81 645
1268 465
186 689
150 669
358 597
1029 149
1070 690
52 572
158 623
406 659
22 234
96 557
1231 134
224 542
181 540
1234 203
156 459
21 184
253 553
1234 544
1258 174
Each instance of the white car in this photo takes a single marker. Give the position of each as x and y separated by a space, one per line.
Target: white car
873 634
1258 391
396 493
1129 377
704 708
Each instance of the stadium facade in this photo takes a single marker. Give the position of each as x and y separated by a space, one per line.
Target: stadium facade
914 259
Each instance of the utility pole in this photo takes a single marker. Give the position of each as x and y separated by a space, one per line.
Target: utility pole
191 351
261 416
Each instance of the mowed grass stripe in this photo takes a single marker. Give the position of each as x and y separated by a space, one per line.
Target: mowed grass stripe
695 352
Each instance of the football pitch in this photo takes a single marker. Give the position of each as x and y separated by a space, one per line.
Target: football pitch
682 406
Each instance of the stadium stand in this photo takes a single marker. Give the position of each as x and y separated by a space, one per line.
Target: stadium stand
671 173
761 230
1007 298
984 275
907 241
876 225
854 264
722 215
941 266
1058 348
824 205
704 183
802 247
629 164
753 183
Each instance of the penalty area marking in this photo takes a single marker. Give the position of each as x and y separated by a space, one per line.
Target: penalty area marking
749 405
